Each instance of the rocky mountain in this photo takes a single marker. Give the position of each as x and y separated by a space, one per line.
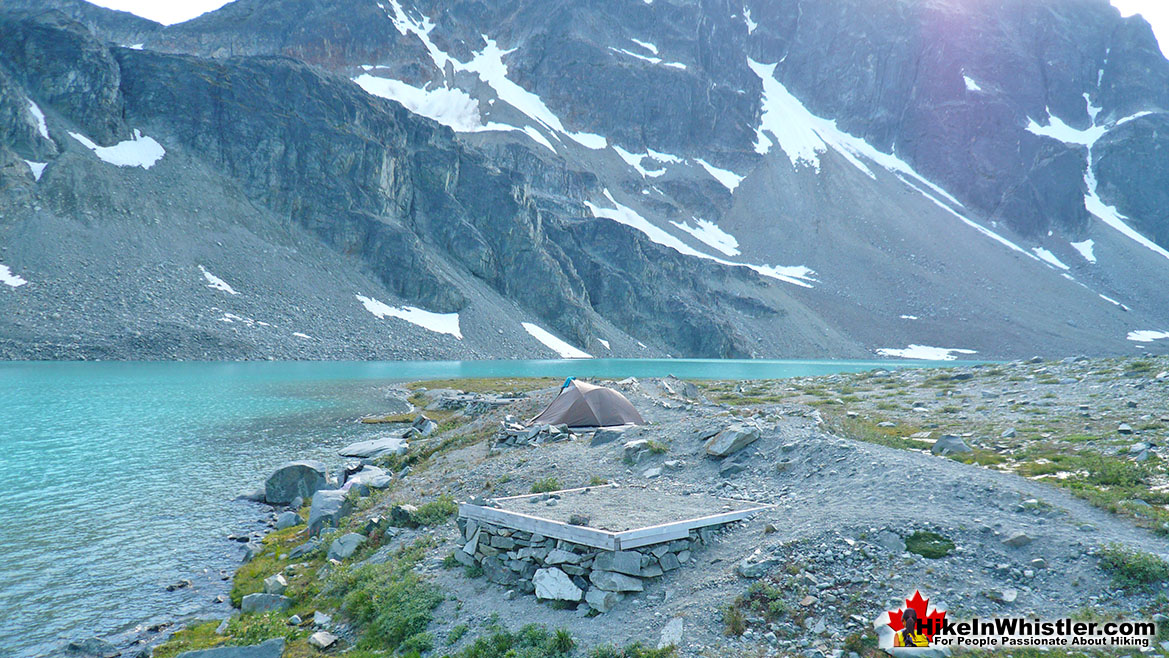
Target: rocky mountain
458 179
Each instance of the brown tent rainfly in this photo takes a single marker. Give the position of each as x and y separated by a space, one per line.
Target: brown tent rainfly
584 405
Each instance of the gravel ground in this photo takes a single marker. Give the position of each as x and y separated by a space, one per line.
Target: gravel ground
619 509
842 508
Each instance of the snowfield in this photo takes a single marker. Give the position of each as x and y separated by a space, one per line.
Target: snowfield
216 282
710 234
39 117
1086 250
439 323
10 279
453 108
925 352
136 152
565 350
1147 336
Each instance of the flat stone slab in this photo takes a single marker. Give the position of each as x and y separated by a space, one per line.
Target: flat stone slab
375 448
618 509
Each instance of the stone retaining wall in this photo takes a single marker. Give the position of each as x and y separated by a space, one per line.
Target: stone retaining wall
555 569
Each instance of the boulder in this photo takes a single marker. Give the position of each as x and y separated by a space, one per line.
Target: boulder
1017 540
672 634
93 647
270 649
264 602
304 549
329 506
949 445
731 439
299 478
626 562
1124 428
601 600
367 479
322 640
275 584
560 556
345 545
601 437
552 583
287 520
611 581
669 562
375 448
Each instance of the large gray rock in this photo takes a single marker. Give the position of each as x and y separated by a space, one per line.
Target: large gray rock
368 479
275 584
287 520
270 649
329 506
261 602
626 562
345 545
602 600
299 478
671 634
950 445
603 436
732 439
612 581
375 448
93 647
304 549
497 572
554 584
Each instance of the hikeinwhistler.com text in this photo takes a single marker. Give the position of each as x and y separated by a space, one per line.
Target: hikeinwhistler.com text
1023 632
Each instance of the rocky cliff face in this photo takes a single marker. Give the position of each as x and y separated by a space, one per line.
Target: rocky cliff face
701 178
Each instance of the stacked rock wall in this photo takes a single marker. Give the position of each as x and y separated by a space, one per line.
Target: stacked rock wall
555 569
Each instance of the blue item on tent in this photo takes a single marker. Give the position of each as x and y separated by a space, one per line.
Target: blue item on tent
567 381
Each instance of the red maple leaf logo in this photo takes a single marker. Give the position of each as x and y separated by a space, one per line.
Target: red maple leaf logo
921 607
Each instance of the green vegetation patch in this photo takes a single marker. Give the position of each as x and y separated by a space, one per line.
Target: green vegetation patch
546 485
531 641
1133 569
389 602
929 544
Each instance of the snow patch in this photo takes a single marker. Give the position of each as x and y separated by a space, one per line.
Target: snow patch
39 118
37 168
419 28
710 234
534 133
797 275
1048 257
925 352
646 58
300 335
1147 336
634 160
553 343
488 65
971 85
453 108
216 282
605 343
1057 129
135 46
1086 250
908 317
751 25
728 178
136 152
439 323
9 279
647 45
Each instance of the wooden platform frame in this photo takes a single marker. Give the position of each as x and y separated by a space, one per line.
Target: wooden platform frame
603 539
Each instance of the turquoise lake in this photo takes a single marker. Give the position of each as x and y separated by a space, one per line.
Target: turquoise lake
117 479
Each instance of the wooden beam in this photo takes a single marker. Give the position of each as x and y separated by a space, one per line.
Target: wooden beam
679 529
555 529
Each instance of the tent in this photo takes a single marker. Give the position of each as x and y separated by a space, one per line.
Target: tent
584 405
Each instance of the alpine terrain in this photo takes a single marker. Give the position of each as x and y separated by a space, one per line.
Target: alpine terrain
400 179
